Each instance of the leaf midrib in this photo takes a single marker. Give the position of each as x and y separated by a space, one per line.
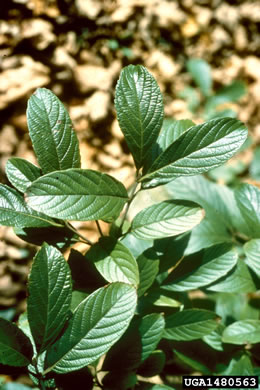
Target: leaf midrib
148 174
83 337
30 215
50 127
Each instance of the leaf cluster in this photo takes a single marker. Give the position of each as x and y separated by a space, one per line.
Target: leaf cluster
173 287
203 99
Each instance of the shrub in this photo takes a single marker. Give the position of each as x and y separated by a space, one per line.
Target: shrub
168 292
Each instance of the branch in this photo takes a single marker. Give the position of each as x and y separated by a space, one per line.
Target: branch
85 239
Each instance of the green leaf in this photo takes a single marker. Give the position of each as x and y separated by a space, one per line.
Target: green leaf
237 280
242 332
24 325
165 219
15 386
218 113
54 140
248 201
197 366
198 150
222 214
15 347
153 365
21 173
114 261
190 324
201 269
234 307
46 381
8 314
148 269
228 173
192 97
165 301
78 194
232 92
136 246
214 339
128 346
97 323
151 386
254 168
139 107
227 94
77 298
201 74
239 366
172 130
151 331
137 343
50 291
252 251
170 252
14 211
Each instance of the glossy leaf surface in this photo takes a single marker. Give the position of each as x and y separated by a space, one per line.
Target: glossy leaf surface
238 280
242 332
151 330
50 128
97 323
15 347
240 366
21 173
139 107
164 301
50 291
78 194
190 324
252 251
248 201
214 263
222 213
166 219
172 130
214 339
15 212
148 269
114 261
197 366
198 150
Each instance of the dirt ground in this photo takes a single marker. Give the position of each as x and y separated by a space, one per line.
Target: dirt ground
77 48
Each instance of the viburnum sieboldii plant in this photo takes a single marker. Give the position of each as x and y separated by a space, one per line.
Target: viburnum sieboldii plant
125 309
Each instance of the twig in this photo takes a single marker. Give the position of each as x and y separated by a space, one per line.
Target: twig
99 228
38 374
85 239
131 198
